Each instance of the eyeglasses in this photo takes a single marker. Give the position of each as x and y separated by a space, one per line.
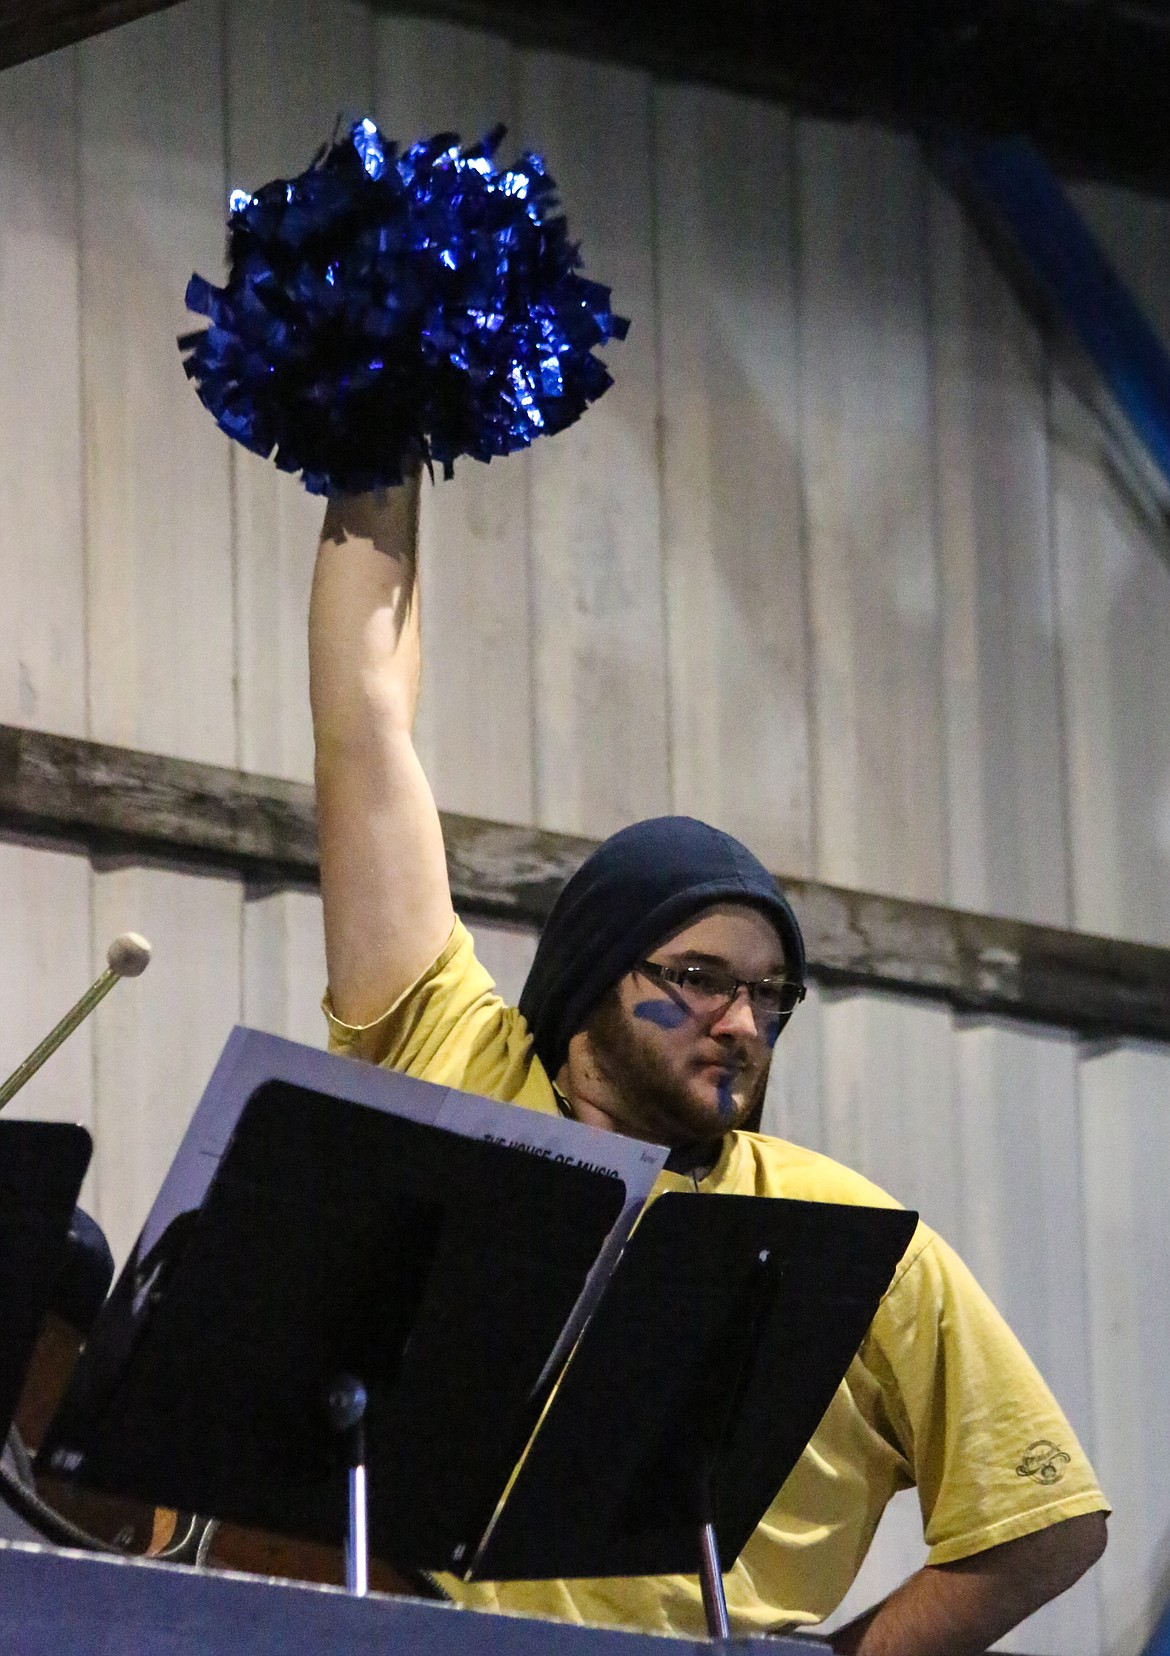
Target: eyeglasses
708 992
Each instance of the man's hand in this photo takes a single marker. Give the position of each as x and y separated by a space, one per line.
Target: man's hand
384 881
960 1609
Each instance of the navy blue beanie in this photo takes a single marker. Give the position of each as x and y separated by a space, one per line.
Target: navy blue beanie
636 889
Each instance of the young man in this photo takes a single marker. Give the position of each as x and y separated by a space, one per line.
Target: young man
665 974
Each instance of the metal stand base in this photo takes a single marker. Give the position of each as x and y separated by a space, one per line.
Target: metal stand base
711 1582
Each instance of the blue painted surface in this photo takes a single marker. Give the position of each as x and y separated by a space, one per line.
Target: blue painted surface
71 1604
1011 180
1159 1640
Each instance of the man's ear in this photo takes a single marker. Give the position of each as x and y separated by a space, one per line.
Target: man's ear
585 1077
580 1064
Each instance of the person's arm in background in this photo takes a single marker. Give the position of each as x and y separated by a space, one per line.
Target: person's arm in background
387 901
960 1609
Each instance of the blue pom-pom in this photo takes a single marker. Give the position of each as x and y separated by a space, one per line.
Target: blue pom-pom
387 310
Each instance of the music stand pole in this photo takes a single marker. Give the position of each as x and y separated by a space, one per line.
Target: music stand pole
711 1582
357 1545
347 1412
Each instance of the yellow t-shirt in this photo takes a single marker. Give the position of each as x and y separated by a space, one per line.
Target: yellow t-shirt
940 1396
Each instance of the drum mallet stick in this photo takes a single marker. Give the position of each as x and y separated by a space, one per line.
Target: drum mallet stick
128 956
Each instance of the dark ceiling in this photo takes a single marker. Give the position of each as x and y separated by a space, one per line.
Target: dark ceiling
1089 80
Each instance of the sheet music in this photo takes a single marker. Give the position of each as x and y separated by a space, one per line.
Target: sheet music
252 1057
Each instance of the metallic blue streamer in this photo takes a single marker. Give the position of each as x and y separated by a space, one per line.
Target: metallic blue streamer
384 310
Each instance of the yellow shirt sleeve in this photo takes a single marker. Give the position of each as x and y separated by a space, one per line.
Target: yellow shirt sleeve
451 1027
988 1446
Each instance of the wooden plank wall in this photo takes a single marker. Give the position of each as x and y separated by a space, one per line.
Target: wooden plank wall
840 564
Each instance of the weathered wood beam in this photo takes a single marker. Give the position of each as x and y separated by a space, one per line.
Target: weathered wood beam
116 801
30 27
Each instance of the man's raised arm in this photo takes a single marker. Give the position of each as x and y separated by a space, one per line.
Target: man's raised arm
383 871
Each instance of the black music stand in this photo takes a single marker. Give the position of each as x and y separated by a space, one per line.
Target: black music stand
42 1165
357 1286
337 1244
717 1346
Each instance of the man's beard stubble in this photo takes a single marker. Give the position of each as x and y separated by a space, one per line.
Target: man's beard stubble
663 1111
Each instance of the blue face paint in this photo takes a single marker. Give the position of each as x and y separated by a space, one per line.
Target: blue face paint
726 1097
665 1013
